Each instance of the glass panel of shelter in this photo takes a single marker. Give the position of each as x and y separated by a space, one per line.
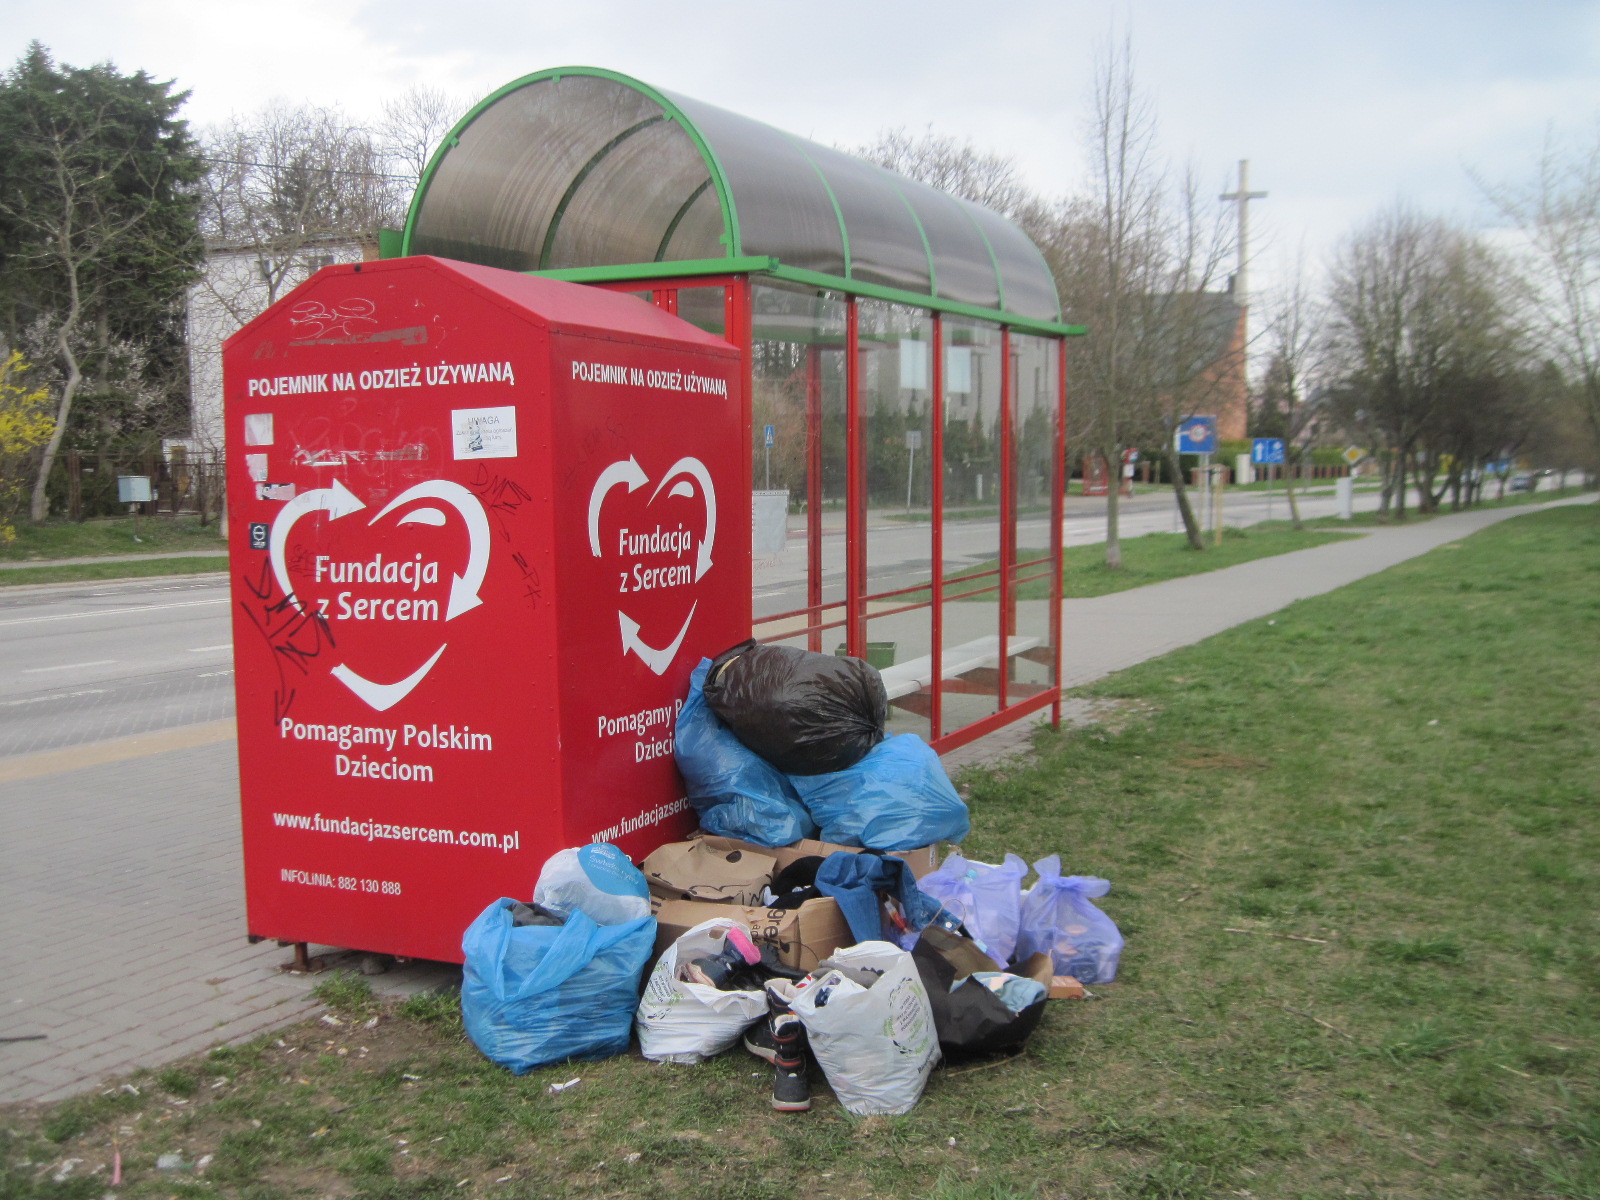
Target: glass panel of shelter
799 466
1031 650
969 613
986 503
895 377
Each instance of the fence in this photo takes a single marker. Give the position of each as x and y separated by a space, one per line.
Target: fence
84 484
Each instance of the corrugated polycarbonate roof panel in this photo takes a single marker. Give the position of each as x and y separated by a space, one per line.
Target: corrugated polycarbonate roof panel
586 168
565 172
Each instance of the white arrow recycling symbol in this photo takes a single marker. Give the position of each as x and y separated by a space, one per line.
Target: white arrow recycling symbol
337 501
628 471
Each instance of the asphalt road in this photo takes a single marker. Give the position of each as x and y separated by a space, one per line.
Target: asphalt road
81 663
87 662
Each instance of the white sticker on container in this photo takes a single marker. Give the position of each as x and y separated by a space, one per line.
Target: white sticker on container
256 464
258 429
484 432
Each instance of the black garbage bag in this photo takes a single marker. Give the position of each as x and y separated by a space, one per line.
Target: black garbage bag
969 1017
805 713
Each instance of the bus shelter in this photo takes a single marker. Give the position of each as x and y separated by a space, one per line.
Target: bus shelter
903 375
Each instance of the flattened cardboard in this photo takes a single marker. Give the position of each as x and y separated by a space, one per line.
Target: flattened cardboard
802 936
699 870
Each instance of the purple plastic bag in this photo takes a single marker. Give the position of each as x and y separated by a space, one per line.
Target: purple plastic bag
987 898
1058 920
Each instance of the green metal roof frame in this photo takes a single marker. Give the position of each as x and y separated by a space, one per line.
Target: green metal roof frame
736 263
645 273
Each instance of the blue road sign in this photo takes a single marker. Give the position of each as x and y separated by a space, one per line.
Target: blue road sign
772 435
1266 451
1197 435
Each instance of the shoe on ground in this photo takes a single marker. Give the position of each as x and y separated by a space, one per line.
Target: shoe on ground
759 1041
791 1088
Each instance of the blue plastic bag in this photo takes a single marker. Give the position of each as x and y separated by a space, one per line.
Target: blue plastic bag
987 899
538 994
1058 920
736 793
896 798
857 881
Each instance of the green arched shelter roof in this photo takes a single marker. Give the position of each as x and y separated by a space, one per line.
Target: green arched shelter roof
578 167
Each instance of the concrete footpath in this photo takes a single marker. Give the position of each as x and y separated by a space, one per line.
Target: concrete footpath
121 900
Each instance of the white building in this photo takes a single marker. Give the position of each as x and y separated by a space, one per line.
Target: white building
238 283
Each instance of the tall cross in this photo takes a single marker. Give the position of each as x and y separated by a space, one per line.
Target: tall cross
1241 291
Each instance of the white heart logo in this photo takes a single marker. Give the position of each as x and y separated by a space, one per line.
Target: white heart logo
628 472
338 502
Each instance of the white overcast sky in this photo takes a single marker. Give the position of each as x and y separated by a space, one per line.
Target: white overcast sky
1341 106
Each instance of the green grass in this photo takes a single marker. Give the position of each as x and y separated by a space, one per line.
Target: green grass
110 535
1404 769
1147 559
1155 557
82 572
1510 500
1160 556
105 537
979 512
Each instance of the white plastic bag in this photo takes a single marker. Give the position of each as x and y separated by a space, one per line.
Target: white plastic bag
685 1022
872 1033
597 880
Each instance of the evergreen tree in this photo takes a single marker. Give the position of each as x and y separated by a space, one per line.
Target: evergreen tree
98 225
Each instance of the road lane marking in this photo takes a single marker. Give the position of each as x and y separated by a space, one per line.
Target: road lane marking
112 612
208 649
54 696
94 754
99 662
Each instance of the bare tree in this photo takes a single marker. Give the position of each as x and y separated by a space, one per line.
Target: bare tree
288 178
1420 330
1559 215
951 165
413 126
1136 260
1294 322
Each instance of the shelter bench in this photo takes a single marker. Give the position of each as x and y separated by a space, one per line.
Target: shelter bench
970 667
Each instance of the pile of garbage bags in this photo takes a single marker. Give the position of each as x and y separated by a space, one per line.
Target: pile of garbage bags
807 921
776 744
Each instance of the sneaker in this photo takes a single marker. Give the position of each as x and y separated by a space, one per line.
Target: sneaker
759 1041
791 1089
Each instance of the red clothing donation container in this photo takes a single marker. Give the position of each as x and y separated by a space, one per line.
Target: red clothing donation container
476 551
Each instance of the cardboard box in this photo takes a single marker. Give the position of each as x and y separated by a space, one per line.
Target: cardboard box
700 870
803 936
1065 987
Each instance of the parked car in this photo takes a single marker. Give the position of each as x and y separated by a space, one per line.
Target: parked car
1522 483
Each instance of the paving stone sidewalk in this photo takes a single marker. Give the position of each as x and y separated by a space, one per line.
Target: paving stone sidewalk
121 898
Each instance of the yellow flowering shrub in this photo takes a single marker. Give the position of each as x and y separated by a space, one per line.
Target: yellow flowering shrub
26 423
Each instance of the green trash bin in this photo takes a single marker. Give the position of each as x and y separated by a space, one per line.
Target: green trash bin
879 654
